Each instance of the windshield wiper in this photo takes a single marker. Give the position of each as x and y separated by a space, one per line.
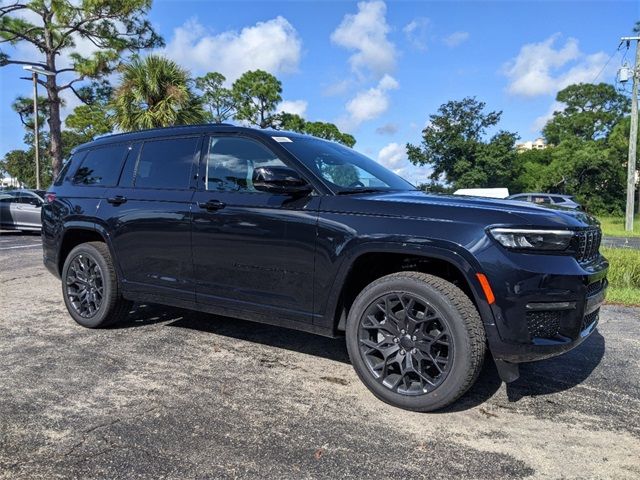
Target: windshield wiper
361 190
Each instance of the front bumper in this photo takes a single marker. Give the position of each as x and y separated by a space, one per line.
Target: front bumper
545 305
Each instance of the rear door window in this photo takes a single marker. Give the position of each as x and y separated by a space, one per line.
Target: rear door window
166 163
101 166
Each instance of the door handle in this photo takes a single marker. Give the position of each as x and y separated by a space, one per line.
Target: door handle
212 205
117 200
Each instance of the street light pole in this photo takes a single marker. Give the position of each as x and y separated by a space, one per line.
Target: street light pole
35 70
36 132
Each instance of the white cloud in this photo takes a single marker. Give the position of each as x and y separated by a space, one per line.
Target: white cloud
455 39
273 45
541 121
416 32
394 157
297 107
543 69
371 103
366 33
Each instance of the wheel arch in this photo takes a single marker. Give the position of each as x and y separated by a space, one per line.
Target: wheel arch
76 233
369 262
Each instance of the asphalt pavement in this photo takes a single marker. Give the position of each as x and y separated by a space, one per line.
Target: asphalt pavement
177 394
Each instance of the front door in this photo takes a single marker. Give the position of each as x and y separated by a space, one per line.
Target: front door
252 251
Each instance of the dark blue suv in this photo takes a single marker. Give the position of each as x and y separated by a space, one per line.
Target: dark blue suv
295 231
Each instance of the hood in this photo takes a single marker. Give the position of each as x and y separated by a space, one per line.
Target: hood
478 210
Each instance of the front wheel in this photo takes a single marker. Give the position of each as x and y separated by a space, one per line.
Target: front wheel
415 340
90 286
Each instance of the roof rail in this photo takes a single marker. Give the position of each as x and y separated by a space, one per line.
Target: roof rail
163 128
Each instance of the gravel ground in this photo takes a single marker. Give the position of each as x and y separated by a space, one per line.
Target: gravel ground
176 394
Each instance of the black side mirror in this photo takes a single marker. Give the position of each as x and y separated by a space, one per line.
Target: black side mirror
282 180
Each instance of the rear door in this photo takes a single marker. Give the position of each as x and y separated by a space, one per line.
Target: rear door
148 216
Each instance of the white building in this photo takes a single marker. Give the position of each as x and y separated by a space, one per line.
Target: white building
537 144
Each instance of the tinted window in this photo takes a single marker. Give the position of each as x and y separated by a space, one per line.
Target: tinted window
166 163
29 199
7 197
65 169
231 160
558 199
101 166
345 168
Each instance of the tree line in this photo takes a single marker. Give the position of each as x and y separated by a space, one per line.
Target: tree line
586 154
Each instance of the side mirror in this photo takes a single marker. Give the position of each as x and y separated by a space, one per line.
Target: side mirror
282 180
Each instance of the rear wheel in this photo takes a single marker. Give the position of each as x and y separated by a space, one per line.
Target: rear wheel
415 340
90 286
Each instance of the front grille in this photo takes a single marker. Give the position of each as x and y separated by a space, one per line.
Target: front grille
587 320
595 287
543 324
588 244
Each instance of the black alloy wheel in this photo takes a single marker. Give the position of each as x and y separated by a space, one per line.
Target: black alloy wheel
90 286
85 285
406 344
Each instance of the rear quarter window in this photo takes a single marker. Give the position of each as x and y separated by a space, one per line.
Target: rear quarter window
101 166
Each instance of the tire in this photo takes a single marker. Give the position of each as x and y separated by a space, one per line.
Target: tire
430 362
90 287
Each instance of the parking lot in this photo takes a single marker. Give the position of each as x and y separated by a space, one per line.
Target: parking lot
175 394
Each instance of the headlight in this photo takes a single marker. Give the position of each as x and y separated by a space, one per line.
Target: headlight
525 239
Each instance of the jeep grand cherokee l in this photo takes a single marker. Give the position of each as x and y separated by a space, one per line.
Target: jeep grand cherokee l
295 231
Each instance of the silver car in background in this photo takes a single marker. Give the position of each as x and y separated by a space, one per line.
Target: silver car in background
546 199
20 210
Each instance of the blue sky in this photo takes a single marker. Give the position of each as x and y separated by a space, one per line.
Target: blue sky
379 69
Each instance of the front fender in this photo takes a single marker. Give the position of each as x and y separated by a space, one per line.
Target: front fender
450 252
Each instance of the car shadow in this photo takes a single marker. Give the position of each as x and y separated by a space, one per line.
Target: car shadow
294 340
560 373
536 378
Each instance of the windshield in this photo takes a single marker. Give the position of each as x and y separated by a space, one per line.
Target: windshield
343 168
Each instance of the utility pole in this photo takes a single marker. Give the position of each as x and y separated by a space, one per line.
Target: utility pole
633 138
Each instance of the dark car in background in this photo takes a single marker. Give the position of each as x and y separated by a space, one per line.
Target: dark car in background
291 230
20 210
548 199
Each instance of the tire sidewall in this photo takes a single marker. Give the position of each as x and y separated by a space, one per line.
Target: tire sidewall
98 318
449 390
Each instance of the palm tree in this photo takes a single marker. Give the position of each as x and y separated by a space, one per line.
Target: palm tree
155 92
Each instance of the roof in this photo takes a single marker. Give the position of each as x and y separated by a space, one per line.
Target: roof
181 130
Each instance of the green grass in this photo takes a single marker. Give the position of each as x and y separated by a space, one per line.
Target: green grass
614 227
624 275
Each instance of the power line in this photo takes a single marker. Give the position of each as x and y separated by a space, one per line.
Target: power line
608 61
